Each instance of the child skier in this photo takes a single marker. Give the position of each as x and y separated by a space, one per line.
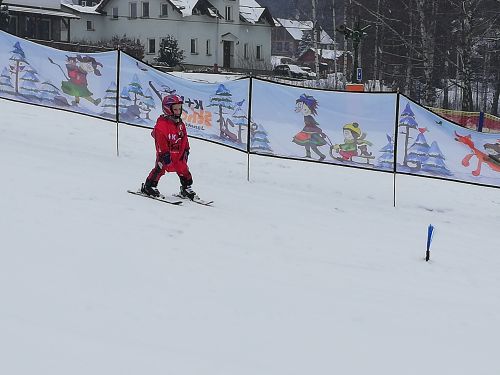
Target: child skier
172 149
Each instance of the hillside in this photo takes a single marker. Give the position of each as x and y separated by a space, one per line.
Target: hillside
306 269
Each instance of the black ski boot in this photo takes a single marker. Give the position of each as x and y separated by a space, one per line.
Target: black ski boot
149 188
187 192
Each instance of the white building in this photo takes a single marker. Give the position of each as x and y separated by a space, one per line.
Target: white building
39 19
227 33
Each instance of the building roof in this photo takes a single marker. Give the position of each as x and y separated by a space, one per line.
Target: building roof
297 28
78 8
250 11
45 12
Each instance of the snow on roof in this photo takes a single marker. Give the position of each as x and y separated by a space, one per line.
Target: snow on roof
185 6
79 8
296 29
328 54
251 11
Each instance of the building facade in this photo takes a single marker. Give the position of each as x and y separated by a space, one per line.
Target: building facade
39 19
288 35
221 33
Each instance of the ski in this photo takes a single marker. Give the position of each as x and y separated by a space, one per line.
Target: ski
195 200
161 198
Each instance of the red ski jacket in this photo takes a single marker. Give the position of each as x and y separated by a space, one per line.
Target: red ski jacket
171 137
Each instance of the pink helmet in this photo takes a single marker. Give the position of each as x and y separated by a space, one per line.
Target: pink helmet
167 103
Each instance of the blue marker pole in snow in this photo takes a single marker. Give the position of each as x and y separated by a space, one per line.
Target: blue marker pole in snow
430 233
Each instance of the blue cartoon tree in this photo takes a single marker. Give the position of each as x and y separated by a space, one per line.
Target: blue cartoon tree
6 82
223 99
148 103
434 163
28 86
135 88
48 91
407 121
240 118
386 160
109 101
259 138
418 151
17 63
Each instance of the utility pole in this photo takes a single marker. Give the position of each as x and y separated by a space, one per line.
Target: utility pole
356 34
315 35
334 47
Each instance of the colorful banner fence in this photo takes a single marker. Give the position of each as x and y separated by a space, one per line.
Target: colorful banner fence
429 145
341 128
345 128
211 111
480 121
37 74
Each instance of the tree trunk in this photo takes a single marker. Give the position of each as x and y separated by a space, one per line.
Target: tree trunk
427 10
496 95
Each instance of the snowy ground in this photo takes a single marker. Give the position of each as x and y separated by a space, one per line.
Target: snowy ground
306 269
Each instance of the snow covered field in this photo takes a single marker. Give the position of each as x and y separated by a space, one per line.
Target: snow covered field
306 269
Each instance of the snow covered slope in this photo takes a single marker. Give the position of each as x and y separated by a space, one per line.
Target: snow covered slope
306 269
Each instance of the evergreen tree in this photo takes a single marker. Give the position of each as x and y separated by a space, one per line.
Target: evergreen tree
135 87
17 64
148 103
407 121
435 161
419 151
386 160
48 91
306 43
170 53
224 100
240 118
125 100
28 85
5 82
259 139
109 101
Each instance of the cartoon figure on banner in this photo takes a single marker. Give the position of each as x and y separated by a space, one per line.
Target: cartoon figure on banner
76 85
311 136
354 144
481 156
493 150
223 100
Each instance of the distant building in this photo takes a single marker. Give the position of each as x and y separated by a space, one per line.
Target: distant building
39 19
326 58
288 34
226 33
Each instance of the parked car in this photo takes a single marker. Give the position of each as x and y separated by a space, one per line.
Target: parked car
280 60
290 70
310 73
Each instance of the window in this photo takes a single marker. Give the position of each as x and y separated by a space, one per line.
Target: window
84 4
133 10
229 13
145 10
152 46
194 46
164 10
13 25
287 46
279 46
90 26
44 29
114 13
209 52
245 51
259 52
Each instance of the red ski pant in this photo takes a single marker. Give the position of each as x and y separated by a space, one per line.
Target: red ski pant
179 167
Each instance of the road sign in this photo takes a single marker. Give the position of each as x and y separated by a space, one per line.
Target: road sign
359 74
